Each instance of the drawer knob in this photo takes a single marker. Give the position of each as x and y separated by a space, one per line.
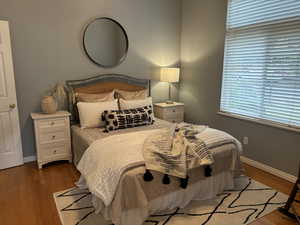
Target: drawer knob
54 151
52 123
173 121
53 137
174 110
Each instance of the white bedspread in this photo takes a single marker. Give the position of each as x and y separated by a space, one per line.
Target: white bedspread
106 159
104 162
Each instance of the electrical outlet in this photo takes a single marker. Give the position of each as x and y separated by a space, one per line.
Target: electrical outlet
245 140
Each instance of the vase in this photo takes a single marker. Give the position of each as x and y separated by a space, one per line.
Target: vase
49 104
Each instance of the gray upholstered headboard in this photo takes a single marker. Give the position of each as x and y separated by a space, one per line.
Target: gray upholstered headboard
100 84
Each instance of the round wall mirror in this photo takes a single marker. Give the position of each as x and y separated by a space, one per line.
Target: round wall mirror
105 42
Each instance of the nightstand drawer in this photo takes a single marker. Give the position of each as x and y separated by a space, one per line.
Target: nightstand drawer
52 123
48 137
174 110
173 113
173 117
53 150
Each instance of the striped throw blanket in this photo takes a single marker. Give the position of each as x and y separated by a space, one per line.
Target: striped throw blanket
183 147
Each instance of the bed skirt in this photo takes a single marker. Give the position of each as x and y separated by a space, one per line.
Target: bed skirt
202 190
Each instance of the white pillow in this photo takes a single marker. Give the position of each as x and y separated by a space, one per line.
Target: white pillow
90 112
132 104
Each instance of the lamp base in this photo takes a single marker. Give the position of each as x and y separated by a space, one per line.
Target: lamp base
169 102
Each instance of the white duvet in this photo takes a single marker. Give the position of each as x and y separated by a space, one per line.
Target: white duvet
103 163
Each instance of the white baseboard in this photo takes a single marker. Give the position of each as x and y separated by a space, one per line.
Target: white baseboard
269 169
29 159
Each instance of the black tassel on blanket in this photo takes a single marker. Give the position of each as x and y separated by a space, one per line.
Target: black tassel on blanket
207 171
166 179
184 182
148 176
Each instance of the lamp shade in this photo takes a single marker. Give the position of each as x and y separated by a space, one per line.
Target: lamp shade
170 75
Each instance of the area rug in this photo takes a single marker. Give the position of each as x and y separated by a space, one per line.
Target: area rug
251 200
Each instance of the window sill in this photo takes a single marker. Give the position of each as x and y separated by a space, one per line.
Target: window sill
260 121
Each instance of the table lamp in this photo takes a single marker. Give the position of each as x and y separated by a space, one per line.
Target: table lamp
170 75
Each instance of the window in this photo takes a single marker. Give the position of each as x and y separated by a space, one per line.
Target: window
261 74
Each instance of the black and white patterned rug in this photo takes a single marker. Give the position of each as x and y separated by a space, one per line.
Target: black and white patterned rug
243 205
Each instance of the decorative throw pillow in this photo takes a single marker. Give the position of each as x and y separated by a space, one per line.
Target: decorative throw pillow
89 112
121 119
132 104
132 95
100 97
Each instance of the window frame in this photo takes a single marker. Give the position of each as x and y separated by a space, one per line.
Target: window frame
260 119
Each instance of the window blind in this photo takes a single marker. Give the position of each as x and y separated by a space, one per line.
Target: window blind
261 73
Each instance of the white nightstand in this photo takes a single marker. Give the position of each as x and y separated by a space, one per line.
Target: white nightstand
171 112
52 137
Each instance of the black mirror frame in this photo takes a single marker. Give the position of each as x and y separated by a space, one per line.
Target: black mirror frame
126 38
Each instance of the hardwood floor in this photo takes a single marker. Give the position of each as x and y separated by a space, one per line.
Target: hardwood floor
274 218
26 193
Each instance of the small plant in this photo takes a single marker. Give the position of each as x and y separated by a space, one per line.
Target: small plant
59 93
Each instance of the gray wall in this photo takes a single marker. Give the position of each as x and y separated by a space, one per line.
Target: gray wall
47 36
202 46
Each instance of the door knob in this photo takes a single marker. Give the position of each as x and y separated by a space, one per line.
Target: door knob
12 106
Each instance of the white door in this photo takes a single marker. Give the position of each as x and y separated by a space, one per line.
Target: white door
10 139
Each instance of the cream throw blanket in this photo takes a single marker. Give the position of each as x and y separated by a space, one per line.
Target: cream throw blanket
174 151
185 146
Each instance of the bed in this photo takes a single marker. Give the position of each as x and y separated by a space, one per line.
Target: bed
135 199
